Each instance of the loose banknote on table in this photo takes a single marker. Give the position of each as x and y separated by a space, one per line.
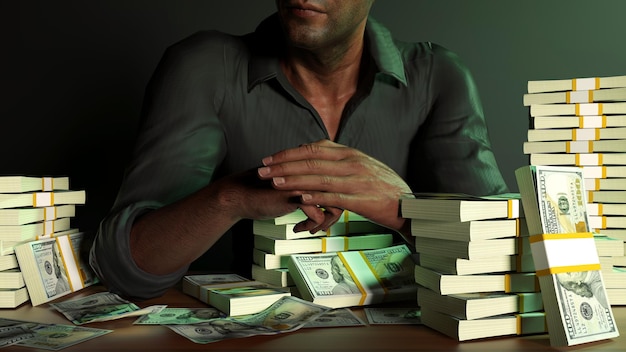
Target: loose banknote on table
286 315
340 317
101 306
44 336
565 255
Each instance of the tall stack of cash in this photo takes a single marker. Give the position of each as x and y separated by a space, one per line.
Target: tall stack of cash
582 122
564 254
31 208
356 277
275 241
475 270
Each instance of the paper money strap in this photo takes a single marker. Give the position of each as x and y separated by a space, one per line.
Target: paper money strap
71 263
564 252
367 280
531 323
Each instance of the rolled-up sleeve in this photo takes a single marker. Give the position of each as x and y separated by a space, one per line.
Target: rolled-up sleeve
180 145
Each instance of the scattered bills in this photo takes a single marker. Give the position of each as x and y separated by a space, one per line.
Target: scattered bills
15 331
286 315
44 336
175 316
101 307
340 317
393 316
56 337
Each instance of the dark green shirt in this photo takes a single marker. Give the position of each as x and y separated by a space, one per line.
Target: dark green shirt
217 104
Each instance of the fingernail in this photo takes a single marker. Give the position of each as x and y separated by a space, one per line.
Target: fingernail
267 160
264 170
278 180
306 197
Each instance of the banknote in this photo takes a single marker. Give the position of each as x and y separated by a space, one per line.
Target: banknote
392 315
286 315
562 200
210 279
56 337
585 310
339 317
100 306
174 316
14 331
51 269
348 273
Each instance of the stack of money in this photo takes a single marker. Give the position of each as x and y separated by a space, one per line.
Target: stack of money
232 294
355 278
474 264
582 122
564 254
31 208
275 240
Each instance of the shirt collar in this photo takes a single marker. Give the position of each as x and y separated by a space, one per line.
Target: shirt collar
267 43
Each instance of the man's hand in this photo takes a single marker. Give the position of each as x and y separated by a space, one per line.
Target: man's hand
252 198
337 177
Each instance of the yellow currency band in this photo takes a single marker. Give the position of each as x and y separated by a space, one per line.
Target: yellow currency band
356 279
596 81
518 228
56 243
369 265
590 196
568 269
600 210
559 236
581 121
509 208
81 273
518 323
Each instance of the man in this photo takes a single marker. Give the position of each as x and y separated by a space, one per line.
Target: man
317 109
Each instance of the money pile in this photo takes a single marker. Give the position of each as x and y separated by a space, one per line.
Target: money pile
275 240
564 254
474 264
584 115
33 208
232 294
355 278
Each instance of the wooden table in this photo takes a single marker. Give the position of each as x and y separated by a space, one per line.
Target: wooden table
129 337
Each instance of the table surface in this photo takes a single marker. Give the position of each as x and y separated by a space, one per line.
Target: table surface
129 337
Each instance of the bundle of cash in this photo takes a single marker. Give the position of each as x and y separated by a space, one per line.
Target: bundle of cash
285 315
355 278
565 256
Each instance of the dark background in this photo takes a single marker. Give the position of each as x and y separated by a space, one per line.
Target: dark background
72 73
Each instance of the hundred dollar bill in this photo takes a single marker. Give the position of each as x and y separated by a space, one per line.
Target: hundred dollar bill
51 269
343 279
56 337
15 331
286 315
174 316
393 315
562 200
585 310
101 306
339 317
